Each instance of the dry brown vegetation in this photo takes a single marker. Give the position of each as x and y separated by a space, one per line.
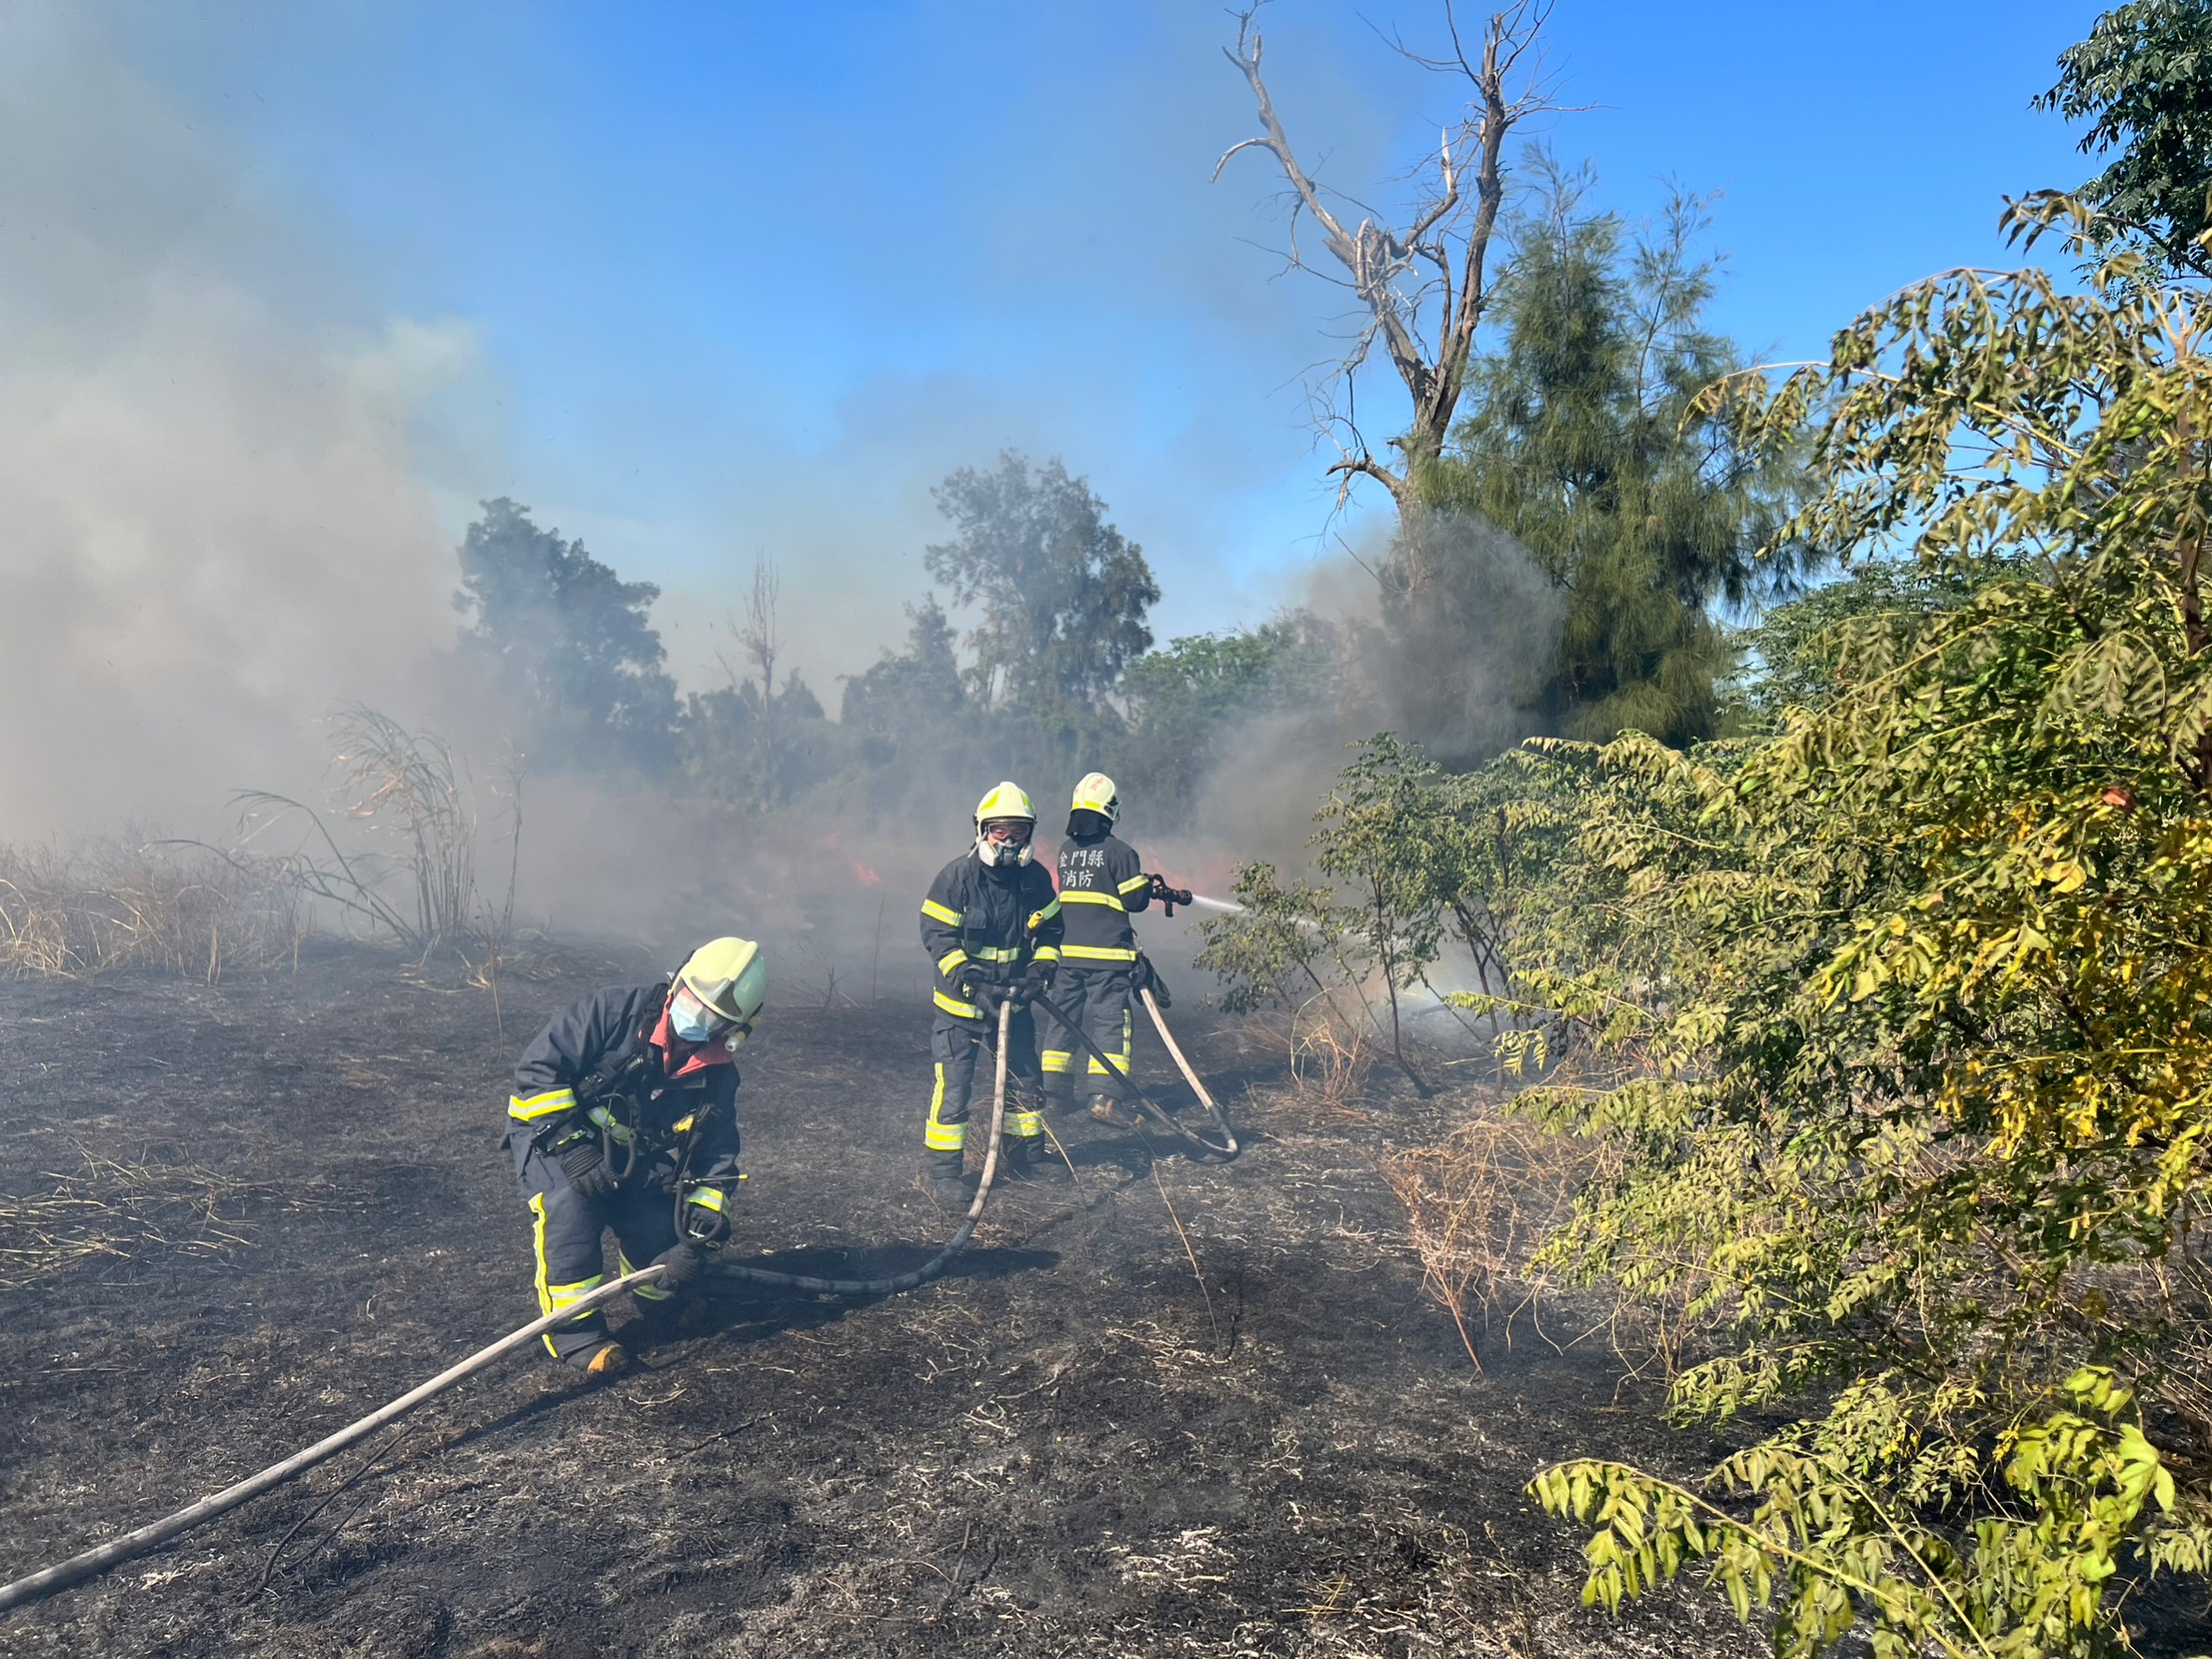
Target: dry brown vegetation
1478 1204
113 1207
1325 1057
123 903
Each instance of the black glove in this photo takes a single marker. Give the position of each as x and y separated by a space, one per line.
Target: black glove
1169 897
584 1165
1036 978
985 995
680 1264
1148 979
705 1224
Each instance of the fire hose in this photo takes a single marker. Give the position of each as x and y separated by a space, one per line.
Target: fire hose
77 1568
1130 1089
936 1264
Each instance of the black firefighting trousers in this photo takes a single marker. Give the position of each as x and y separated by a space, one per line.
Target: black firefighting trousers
1099 1000
567 1233
959 1048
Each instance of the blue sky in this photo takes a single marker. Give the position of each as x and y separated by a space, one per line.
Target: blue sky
732 280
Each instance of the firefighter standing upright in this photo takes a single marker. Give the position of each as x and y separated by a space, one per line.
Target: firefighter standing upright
624 1116
1102 884
991 925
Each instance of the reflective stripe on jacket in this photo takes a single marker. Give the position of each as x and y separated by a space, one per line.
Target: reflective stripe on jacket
606 1029
975 925
1102 883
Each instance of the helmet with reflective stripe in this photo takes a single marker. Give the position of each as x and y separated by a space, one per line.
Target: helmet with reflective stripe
1008 803
731 978
1096 793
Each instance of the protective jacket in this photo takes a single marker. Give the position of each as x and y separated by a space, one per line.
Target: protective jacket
1102 884
608 1063
978 923
665 1113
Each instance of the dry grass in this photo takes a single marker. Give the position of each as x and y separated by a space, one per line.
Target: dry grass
123 904
1328 1058
1480 1201
113 1209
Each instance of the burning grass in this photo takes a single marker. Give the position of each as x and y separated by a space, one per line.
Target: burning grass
121 903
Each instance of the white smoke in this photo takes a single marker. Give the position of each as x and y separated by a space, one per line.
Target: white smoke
211 532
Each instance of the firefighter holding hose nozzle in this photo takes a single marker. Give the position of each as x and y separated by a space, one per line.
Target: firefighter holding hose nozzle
1102 884
991 925
624 1116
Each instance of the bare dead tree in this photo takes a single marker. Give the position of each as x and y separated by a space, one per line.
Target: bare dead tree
760 635
1422 287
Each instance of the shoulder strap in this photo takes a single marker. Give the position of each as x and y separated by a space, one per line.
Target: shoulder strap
617 1067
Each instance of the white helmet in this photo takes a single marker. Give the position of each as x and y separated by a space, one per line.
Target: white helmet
1094 794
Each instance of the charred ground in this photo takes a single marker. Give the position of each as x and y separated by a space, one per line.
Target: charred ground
1063 1447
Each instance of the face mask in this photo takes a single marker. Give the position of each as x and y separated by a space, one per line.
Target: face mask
1002 856
688 1018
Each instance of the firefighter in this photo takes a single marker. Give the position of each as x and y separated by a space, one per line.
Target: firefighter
624 1116
991 925
1102 884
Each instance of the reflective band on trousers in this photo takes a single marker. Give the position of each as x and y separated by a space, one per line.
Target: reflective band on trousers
643 1292
1121 1061
942 1136
552 1298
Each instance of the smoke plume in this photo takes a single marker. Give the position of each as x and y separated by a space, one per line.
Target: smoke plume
216 532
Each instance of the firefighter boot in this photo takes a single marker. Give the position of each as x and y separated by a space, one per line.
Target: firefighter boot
1059 1093
1032 1157
1102 1108
945 1173
608 1359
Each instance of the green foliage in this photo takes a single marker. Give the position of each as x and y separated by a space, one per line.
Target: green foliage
1427 868
760 752
2143 79
1189 704
1793 652
911 694
1062 594
1823 1552
1275 950
1909 1001
567 641
1585 442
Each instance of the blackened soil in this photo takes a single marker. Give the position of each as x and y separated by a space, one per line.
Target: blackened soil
1066 1446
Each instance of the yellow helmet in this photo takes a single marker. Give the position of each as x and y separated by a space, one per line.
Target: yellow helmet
730 978
1007 801
1096 793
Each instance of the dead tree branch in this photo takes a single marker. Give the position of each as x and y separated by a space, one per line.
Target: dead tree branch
1422 287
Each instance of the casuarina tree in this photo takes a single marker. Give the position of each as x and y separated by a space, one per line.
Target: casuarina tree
1585 443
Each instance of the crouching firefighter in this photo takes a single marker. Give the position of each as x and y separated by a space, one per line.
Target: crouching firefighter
992 927
1102 884
625 1117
